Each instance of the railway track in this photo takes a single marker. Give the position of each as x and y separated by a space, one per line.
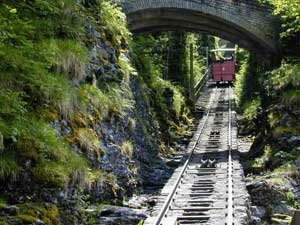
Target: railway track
208 187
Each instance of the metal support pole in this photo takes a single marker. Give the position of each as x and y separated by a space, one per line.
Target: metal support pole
207 59
192 79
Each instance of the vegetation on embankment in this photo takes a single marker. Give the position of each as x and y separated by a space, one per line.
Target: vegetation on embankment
78 125
270 102
163 64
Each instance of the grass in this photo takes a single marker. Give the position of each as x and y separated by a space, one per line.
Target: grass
96 175
37 141
88 141
71 59
43 52
9 168
127 148
62 174
104 102
131 124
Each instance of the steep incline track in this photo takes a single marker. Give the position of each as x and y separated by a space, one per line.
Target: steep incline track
208 188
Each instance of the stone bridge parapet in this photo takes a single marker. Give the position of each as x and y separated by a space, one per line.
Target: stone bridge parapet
245 22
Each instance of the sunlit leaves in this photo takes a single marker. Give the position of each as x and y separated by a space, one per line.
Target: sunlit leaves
114 21
289 10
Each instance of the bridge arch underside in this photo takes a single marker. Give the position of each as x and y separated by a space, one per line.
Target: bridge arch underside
169 19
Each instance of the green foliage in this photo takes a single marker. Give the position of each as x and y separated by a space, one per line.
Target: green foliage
111 100
126 67
241 79
251 109
167 99
113 21
162 88
260 163
141 222
199 63
94 176
153 73
12 103
30 212
127 148
26 219
60 173
42 51
28 57
9 168
37 141
70 58
43 57
148 54
286 76
284 84
12 108
289 10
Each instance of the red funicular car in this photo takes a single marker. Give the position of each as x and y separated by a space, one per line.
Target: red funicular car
224 70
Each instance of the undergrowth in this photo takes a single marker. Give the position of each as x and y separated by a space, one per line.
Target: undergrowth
44 52
167 99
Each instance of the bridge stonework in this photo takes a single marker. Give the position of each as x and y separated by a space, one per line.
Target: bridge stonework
245 22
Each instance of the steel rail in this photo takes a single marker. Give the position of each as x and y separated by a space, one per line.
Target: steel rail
166 205
230 187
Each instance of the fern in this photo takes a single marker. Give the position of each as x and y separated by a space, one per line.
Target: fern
114 21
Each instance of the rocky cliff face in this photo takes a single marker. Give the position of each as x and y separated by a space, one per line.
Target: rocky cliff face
272 167
98 150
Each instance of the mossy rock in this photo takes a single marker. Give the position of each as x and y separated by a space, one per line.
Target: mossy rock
3 223
48 213
27 219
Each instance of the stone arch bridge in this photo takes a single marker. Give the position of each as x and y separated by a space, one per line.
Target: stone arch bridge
245 22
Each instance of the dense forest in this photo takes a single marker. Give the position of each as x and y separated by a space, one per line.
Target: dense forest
89 112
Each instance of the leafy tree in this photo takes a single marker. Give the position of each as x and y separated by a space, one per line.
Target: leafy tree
289 10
